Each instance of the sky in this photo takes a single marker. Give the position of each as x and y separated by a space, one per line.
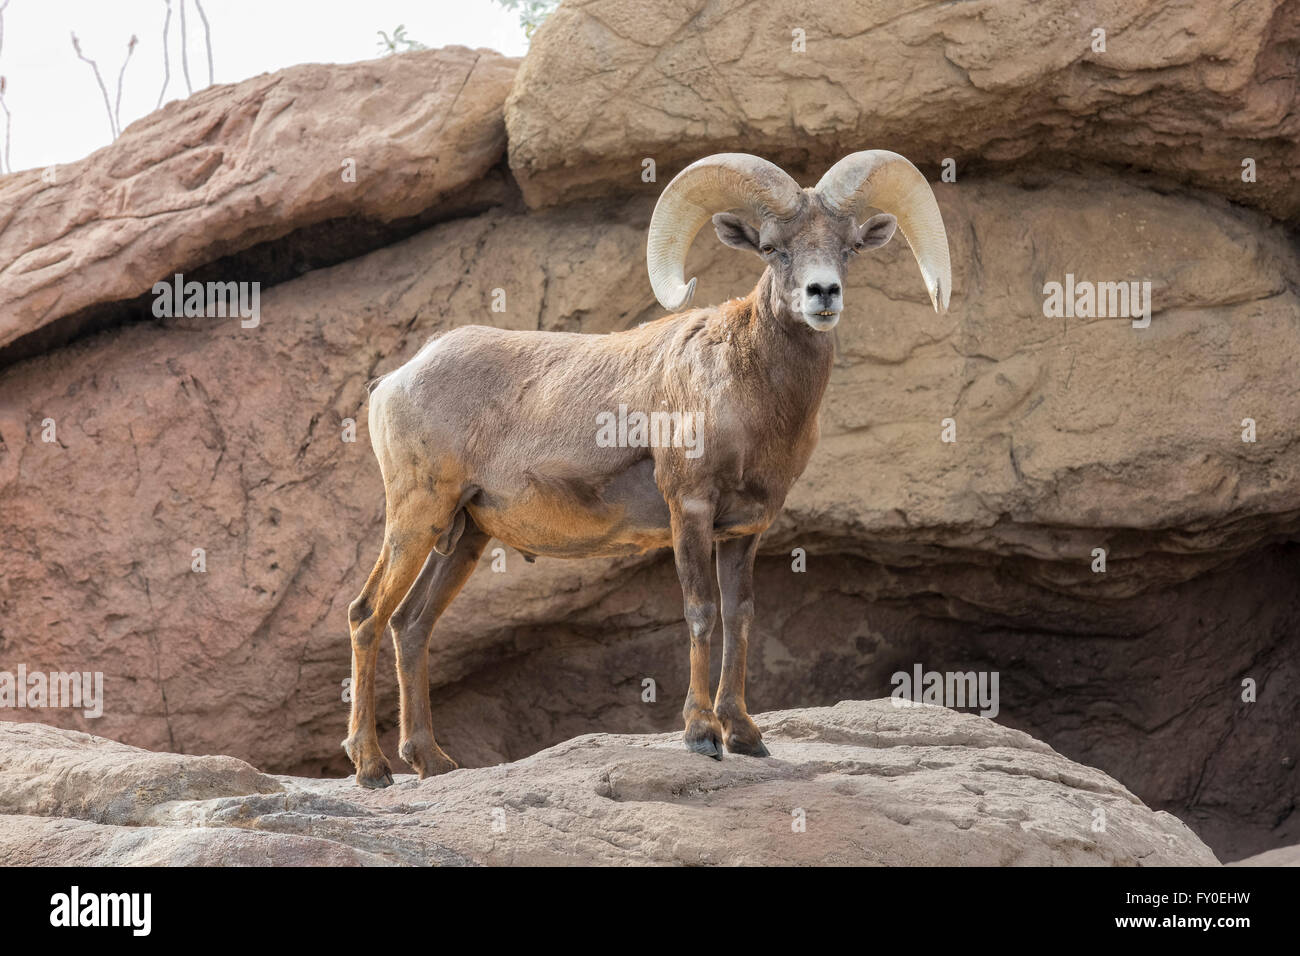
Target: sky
57 110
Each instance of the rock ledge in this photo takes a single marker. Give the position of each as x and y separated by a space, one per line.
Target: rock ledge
862 782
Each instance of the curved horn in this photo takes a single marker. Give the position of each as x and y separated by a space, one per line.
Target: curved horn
887 181
713 184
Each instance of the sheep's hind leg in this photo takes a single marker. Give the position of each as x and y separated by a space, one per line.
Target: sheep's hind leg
411 626
409 537
398 564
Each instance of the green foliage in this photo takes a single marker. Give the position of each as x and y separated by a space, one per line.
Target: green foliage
398 43
531 12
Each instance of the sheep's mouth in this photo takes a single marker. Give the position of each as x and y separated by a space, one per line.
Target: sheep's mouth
822 321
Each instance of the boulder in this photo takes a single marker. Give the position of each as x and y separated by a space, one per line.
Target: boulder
860 783
1186 89
1282 856
237 165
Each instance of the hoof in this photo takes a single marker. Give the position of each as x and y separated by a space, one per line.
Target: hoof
426 758
755 749
704 737
442 764
376 782
374 774
707 747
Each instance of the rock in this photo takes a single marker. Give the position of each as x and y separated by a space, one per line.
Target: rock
1073 434
58 773
860 783
237 165
1282 856
41 841
185 433
201 434
1184 88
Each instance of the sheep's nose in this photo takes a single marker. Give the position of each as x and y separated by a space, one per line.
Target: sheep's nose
828 291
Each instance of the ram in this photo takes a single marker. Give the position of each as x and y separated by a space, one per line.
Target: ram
487 433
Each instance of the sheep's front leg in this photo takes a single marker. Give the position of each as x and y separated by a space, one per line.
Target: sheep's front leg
692 526
736 582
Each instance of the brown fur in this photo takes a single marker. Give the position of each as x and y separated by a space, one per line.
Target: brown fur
492 433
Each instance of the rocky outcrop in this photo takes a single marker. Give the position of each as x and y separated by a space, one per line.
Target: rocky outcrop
858 784
1072 433
1282 856
196 434
234 166
1183 88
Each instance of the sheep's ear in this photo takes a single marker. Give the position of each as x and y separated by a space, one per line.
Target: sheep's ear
875 232
735 232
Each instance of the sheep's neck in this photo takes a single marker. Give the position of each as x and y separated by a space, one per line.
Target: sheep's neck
788 363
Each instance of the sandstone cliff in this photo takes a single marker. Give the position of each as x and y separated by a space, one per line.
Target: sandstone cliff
1073 434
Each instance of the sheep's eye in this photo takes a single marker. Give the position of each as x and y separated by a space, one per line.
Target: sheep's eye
767 248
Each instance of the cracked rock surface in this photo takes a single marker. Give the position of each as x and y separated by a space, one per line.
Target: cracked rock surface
1182 88
240 164
863 782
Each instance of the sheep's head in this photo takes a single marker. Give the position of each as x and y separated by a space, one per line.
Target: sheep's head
807 255
806 236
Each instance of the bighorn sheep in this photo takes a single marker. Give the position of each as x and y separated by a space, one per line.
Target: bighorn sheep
491 433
